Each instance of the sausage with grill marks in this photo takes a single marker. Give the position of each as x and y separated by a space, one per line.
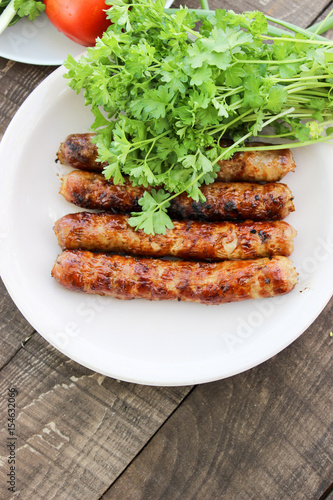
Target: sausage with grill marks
224 201
124 277
78 151
105 232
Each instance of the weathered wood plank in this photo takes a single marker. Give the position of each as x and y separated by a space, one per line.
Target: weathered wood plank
263 434
13 327
17 81
77 430
252 436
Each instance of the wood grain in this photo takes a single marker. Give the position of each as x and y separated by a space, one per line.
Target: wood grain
17 81
263 434
14 328
77 430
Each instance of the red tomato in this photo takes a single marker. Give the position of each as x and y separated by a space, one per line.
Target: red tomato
81 20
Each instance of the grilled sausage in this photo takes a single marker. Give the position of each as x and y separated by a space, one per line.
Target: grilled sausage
93 191
105 232
224 201
155 279
78 151
257 166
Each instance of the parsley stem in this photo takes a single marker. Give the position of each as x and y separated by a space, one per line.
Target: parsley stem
290 145
292 89
275 136
313 77
269 61
147 141
225 126
7 15
309 94
324 41
226 151
235 105
322 26
204 4
295 29
150 149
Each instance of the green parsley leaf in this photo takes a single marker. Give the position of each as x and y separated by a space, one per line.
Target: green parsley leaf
153 218
276 98
252 94
30 8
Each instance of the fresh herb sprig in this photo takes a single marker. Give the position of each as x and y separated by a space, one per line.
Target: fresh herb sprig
165 93
12 11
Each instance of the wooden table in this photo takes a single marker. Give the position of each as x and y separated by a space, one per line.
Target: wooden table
264 434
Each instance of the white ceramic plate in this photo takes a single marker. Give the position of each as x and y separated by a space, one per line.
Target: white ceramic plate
39 42
157 343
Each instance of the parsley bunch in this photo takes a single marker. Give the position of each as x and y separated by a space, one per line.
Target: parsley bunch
165 92
12 11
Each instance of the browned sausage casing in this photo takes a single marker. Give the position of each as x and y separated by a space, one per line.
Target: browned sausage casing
257 166
107 232
78 151
224 201
155 279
